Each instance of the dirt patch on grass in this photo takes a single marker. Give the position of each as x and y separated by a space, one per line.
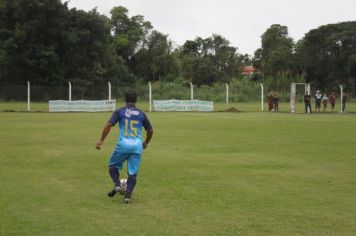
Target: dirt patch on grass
231 109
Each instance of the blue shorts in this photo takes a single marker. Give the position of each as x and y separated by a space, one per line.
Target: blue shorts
133 161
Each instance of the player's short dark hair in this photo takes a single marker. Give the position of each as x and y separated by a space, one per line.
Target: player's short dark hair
131 96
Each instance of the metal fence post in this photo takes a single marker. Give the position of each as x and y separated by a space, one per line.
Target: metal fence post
341 98
69 91
28 96
150 96
109 88
227 94
262 96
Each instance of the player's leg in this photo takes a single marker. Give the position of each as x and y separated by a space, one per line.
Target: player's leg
131 183
115 175
133 165
115 165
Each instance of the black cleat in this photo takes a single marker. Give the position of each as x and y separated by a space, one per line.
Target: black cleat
114 191
127 198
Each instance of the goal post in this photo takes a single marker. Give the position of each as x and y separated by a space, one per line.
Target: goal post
293 94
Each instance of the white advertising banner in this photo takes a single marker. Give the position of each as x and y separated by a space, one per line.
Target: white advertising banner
81 106
182 105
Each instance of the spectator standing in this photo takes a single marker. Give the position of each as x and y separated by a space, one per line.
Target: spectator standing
307 99
275 102
317 98
270 101
324 100
332 101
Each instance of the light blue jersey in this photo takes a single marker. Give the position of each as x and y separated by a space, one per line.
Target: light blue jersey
129 145
131 120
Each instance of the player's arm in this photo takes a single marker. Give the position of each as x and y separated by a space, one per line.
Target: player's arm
149 135
149 131
105 132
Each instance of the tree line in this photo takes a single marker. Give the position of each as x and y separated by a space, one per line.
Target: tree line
48 43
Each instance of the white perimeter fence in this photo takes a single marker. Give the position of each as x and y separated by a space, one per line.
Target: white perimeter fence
226 95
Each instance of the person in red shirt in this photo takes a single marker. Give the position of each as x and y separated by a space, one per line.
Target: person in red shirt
270 101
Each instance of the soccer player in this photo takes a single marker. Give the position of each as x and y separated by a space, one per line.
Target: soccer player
129 146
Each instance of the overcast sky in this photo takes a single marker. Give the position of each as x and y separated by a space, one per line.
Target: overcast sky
242 22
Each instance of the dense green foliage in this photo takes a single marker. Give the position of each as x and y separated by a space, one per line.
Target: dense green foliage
277 49
329 53
48 44
205 61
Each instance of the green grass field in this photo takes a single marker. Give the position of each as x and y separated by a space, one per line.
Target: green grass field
247 173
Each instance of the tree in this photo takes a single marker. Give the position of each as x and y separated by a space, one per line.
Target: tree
129 34
257 59
327 53
210 60
31 42
225 57
277 51
46 43
352 65
155 61
88 58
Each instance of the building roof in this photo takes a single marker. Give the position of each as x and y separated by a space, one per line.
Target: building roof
247 70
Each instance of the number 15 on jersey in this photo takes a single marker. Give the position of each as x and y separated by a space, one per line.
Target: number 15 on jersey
131 128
